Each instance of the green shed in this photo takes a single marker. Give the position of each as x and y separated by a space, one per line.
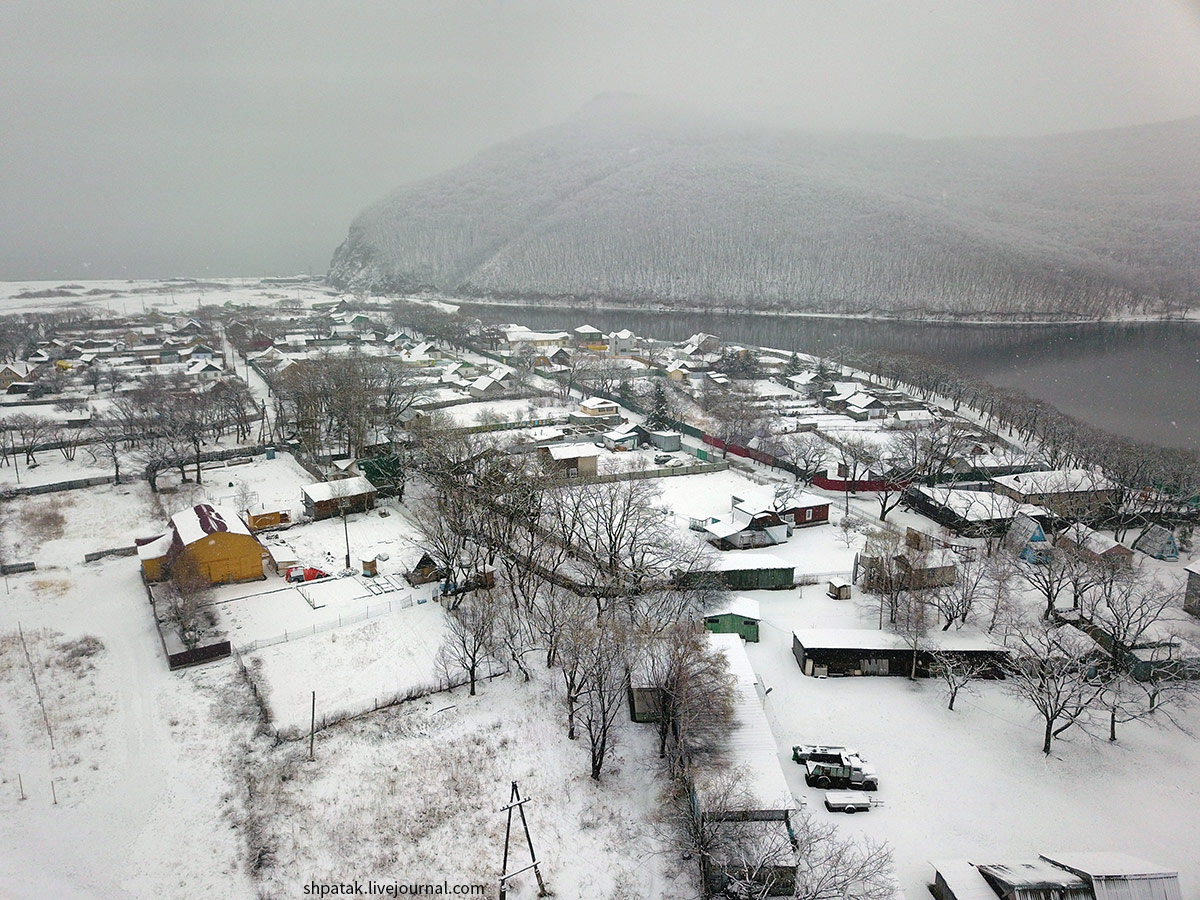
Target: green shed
741 616
743 570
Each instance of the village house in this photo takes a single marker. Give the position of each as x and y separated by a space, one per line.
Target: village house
211 541
598 406
1157 542
750 523
972 513
572 460
325 499
1092 545
768 801
620 343
16 370
1069 493
1027 538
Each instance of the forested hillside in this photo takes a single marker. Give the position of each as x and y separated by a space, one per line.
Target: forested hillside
631 203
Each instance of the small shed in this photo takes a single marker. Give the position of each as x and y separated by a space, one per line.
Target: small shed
425 570
740 616
325 499
621 440
664 440
261 517
1158 542
839 589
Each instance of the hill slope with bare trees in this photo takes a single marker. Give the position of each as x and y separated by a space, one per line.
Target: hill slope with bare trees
630 203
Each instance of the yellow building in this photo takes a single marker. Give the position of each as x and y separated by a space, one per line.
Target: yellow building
215 543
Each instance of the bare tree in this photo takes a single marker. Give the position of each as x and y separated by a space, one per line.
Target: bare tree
694 692
191 588
470 637
808 452
738 855
957 673
603 667
833 867
1054 669
1050 576
34 432
956 600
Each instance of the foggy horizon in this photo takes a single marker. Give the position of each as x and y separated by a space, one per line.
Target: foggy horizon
230 142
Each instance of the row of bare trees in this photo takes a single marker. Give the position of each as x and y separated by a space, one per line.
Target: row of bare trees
344 402
1129 668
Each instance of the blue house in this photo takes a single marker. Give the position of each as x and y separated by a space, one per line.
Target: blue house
1026 536
1158 542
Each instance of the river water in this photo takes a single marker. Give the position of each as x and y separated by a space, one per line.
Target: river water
1141 380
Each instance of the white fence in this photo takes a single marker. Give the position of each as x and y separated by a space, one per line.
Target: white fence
372 611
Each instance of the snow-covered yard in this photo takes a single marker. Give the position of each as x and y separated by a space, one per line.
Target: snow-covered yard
352 668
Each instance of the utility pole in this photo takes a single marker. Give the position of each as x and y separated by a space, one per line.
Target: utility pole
344 503
515 802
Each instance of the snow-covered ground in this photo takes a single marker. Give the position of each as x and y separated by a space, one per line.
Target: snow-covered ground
973 782
416 791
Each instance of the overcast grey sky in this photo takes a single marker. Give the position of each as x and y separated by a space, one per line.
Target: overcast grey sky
156 139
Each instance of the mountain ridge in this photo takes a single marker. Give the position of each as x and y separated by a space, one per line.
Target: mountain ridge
628 202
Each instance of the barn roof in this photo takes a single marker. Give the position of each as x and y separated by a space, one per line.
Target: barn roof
1106 864
573 451
751 744
746 607
204 519
978 506
748 561
872 639
1055 481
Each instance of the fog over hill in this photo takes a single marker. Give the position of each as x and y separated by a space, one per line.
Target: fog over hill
629 202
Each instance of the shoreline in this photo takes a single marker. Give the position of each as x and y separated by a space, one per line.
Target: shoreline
1191 317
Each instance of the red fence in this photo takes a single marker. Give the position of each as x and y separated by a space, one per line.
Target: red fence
821 481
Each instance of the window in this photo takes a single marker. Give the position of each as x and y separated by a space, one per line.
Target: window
808 513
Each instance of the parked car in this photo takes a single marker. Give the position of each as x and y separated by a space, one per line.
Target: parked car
662 458
675 463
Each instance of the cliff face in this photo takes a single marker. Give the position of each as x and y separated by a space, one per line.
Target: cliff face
628 202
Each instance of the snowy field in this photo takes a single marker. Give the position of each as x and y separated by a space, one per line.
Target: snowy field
145 810
973 782
416 790
130 297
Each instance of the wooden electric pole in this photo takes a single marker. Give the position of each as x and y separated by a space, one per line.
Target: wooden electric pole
515 802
